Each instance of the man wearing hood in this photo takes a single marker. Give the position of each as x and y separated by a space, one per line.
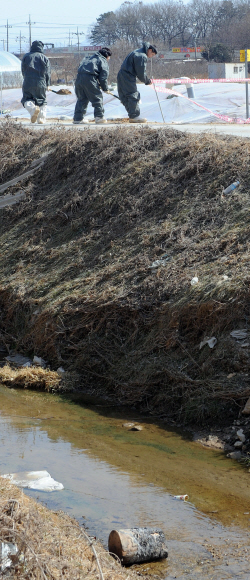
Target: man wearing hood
134 66
92 76
36 75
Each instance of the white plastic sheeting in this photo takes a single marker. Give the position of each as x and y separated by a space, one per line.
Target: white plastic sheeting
9 62
220 98
39 480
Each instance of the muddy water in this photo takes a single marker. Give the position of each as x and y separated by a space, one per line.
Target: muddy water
116 478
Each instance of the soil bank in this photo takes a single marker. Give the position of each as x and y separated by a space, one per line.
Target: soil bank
97 262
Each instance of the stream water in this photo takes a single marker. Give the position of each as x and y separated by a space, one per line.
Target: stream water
115 478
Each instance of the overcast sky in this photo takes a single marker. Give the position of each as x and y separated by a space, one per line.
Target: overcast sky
54 20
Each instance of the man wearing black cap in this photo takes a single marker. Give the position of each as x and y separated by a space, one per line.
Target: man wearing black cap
92 76
134 66
36 74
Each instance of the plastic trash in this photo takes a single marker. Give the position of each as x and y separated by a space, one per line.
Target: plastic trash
240 334
161 262
182 497
194 281
241 435
38 360
231 187
7 549
210 341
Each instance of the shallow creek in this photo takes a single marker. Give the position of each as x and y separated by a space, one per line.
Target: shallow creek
115 478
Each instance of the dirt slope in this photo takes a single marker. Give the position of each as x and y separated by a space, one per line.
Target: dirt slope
77 283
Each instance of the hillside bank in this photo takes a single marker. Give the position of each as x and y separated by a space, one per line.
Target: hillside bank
96 264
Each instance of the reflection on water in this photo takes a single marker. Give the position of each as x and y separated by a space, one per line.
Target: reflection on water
115 478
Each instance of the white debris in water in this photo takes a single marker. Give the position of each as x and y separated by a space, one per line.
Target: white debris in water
39 480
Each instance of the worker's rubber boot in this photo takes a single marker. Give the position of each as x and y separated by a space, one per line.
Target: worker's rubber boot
100 120
83 122
33 110
35 114
138 120
41 119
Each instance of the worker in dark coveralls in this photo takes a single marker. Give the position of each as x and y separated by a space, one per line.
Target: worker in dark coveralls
134 66
36 74
92 76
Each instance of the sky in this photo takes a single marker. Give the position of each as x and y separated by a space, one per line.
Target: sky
55 21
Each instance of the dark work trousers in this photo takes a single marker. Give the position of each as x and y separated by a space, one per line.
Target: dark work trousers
128 94
87 90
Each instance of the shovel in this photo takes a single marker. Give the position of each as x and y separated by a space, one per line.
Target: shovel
109 93
61 92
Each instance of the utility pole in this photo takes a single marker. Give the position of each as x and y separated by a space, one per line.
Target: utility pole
3 41
19 39
78 41
8 26
29 23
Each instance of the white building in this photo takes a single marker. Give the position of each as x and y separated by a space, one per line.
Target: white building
226 70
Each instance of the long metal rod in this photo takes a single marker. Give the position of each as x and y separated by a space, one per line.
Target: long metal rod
158 100
246 76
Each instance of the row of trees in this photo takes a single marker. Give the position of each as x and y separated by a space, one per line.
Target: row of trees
173 23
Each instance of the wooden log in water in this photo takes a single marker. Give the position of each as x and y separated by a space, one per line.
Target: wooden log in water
138 545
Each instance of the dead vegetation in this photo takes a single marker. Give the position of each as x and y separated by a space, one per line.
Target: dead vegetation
78 285
51 545
30 378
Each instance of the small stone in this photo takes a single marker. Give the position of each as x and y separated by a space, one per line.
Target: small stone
136 428
238 444
234 455
246 410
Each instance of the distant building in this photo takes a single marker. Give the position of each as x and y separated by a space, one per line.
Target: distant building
10 70
63 50
226 70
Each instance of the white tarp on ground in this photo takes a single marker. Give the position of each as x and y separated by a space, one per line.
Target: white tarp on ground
221 98
39 480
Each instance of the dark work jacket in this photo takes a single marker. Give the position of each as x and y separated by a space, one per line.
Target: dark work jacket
97 66
135 64
36 74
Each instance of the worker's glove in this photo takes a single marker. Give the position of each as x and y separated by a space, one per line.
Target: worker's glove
149 82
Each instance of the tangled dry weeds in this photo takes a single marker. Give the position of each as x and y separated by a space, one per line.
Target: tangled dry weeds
30 378
78 284
51 545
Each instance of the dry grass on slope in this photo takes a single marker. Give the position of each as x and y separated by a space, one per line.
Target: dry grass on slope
51 545
77 286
